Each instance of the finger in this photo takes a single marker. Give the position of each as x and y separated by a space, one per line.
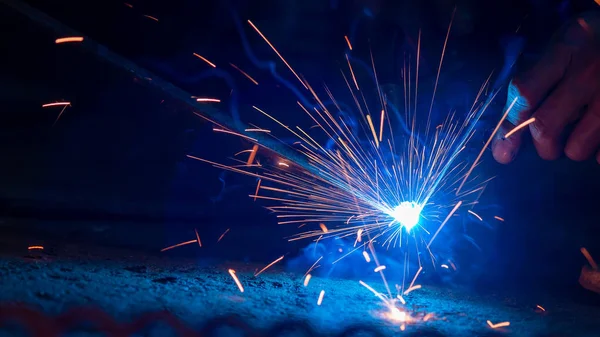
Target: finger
560 109
534 85
585 139
504 149
529 89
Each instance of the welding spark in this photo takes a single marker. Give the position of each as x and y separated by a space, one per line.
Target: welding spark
204 59
198 238
207 100
357 179
321 295
498 325
47 105
69 39
307 279
268 266
366 256
348 42
151 17
244 73
407 214
519 127
179 245
236 280
223 235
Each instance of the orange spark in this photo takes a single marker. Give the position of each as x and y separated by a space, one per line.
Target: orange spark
244 73
540 307
269 265
69 39
444 223
519 127
498 218
373 130
415 287
276 52
427 317
437 79
222 235
323 228
486 144
307 279
444 266
377 294
589 258
35 248
475 215
212 100
321 295
128 5
498 325
198 238
47 105
366 255
257 188
234 133
151 17
258 130
283 164
380 268
415 277
314 266
352 72
252 156
348 41
237 281
179 245
381 125
359 235
204 59
243 151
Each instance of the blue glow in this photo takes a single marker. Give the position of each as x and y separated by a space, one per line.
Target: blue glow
407 214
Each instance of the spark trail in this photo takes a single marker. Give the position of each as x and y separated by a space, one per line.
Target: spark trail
370 186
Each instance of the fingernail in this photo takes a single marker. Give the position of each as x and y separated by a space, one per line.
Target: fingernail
504 150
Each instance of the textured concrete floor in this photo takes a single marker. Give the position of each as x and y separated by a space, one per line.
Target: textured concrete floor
126 283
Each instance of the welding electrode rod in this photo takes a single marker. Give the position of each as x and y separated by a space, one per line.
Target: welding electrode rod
154 81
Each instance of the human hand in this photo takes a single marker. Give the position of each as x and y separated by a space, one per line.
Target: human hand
563 88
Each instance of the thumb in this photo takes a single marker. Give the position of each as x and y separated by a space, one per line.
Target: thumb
504 149
530 90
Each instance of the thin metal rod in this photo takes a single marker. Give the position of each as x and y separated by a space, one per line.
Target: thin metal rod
154 81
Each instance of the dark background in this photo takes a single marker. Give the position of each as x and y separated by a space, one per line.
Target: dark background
116 158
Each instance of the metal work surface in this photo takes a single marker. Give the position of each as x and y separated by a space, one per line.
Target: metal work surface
125 284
